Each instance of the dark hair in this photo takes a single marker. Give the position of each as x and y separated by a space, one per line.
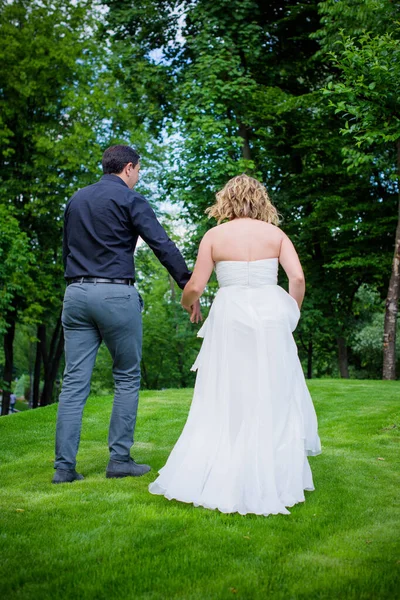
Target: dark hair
116 157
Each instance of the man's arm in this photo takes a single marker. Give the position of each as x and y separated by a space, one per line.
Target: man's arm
150 230
65 249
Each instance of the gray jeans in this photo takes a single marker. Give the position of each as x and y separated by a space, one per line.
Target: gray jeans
92 313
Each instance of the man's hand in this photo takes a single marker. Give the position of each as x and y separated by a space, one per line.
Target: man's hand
194 312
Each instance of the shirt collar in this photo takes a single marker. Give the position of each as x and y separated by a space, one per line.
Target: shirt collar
115 178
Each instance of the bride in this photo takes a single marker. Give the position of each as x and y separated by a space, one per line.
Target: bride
252 422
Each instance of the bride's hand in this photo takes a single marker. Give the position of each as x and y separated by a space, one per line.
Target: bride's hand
195 315
194 312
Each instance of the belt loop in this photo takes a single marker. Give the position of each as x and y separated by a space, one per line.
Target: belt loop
81 281
95 281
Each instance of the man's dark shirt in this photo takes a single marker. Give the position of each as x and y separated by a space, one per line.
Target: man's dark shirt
102 223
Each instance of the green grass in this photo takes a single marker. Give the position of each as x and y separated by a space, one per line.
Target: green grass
21 405
110 539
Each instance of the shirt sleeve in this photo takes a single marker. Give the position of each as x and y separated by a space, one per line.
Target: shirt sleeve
151 231
65 249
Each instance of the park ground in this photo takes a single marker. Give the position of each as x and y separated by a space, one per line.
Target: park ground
110 539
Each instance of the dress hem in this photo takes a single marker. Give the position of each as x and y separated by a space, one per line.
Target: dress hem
232 510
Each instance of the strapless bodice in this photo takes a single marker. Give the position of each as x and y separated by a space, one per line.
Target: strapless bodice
254 273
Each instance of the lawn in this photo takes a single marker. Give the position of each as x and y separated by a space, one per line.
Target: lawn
106 539
21 405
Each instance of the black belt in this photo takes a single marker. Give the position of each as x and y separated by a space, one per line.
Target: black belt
100 280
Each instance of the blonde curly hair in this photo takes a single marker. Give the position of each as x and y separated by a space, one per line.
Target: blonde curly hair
243 196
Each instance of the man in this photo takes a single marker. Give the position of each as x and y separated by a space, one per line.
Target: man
102 223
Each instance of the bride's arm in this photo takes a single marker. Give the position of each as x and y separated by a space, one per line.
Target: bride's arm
201 273
290 262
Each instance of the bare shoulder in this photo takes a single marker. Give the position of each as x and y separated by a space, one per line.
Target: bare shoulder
284 235
273 231
208 239
263 226
245 226
221 227
208 236
215 232
277 230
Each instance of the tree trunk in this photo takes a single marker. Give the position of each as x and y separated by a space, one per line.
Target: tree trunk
392 300
56 362
309 358
342 355
36 373
144 374
308 349
244 134
31 344
8 364
51 360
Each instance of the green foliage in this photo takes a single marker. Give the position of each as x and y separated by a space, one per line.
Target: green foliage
205 89
367 94
170 345
366 342
15 260
354 17
102 379
24 348
214 56
361 40
244 95
59 108
21 387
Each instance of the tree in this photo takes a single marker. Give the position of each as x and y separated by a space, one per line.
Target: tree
243 96
366 343
14 281
367 97
42 46
170 345
59 109
14 262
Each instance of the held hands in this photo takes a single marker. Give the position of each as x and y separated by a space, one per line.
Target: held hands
194 312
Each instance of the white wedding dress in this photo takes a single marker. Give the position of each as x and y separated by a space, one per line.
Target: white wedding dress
252 422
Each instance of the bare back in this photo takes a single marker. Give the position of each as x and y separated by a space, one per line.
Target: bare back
245 239
250 239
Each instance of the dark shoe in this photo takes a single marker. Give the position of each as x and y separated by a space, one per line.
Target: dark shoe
116 469
66 476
